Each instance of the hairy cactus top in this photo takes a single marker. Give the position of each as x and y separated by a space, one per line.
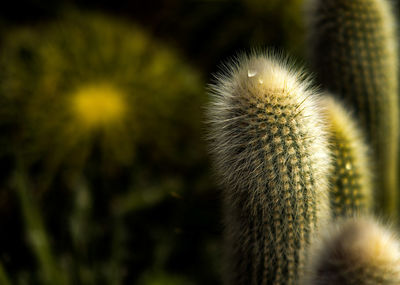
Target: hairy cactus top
271 150
355 251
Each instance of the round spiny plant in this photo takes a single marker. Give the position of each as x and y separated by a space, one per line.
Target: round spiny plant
89 83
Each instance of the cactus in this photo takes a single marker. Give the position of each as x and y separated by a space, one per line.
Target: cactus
354 52
271 150
350 183
357 250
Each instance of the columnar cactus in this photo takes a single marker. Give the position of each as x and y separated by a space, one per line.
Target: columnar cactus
354 52
355 251
350 181
271 150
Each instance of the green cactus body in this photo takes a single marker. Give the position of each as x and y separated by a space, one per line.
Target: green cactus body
355 251
354 52
350 182
272 153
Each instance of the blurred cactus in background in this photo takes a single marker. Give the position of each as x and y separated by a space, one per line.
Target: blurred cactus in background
96 79
357 250
353 49
350 182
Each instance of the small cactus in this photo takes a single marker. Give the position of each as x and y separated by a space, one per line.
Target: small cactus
271 150
357 251
353 48
350 182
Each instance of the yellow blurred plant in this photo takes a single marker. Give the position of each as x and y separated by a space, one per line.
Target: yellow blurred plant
91 83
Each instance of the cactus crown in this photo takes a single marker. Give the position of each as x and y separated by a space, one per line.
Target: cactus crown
264 94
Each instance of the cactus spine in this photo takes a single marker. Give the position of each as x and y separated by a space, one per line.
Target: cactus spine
350 182
271 150
353 49
355 251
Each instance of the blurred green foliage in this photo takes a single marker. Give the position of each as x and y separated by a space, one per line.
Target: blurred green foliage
127 203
